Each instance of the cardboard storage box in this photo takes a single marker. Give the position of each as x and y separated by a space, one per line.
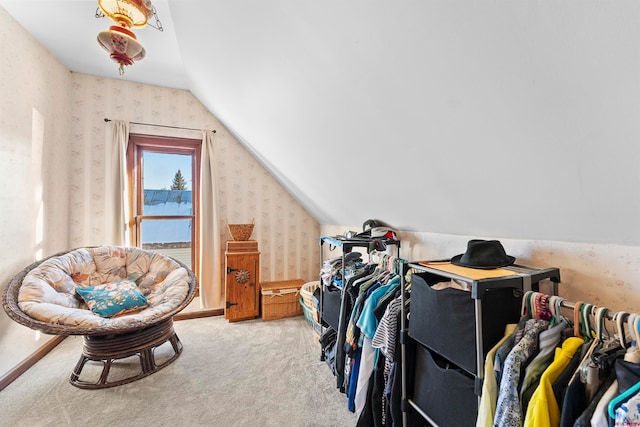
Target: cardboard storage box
281 299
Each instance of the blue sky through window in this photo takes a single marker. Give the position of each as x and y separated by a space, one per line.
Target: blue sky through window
160 168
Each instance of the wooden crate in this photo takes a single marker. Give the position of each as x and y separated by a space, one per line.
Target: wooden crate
242 246
281 299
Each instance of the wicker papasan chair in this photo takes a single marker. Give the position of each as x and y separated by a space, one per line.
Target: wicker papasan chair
120 299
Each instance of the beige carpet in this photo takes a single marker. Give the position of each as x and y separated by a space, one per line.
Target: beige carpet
250 373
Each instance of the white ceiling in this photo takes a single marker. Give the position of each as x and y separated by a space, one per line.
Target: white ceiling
475 117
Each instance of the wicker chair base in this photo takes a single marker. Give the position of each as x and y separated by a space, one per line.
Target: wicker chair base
109 349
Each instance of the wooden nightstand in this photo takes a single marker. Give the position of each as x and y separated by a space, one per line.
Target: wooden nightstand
242 289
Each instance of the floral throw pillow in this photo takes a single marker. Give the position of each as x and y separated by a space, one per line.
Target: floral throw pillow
113 299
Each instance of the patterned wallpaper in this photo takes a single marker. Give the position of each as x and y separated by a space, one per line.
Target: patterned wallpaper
34 135
247 191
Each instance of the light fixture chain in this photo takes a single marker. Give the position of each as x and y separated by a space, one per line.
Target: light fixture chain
99 13
158 23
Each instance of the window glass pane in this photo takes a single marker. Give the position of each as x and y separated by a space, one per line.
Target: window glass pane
167 184
167 202
168 236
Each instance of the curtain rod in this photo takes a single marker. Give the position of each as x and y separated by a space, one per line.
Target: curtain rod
162 126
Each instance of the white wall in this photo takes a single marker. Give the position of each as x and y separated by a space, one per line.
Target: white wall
34 159
516 119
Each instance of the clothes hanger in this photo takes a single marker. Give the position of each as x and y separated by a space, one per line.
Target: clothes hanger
633 334
633 351
623 397
543 307
636 330
552 308
577 328
585 317
536 302
609 344
557 309
588 335
598 355
531 304
620 317
525 308
601 315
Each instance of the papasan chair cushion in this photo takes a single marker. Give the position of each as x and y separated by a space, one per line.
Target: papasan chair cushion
45 296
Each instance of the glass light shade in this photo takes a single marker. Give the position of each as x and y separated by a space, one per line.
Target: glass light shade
122 45
129 13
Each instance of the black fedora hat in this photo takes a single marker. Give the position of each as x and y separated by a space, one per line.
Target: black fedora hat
483 254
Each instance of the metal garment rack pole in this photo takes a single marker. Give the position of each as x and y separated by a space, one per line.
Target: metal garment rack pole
572 305
160 126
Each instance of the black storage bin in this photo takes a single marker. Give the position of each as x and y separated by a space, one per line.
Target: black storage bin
331 299
443 391
444 320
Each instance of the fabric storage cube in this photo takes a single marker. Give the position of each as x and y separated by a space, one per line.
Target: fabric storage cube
331 299
281 299
444 320
443 391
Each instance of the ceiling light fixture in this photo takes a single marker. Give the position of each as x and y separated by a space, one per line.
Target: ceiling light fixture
119 40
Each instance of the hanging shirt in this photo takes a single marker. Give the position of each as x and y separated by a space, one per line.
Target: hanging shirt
368 323
562 382
385 339
346 307
506 347
543 409
627 376
489 397
600 417
508 409
548 341
353 347
628 413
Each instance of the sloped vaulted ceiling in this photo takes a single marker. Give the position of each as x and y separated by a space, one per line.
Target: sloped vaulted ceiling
491 118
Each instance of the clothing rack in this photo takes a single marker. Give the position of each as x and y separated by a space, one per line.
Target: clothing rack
373 248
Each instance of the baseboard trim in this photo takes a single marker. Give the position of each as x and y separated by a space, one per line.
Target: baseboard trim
198 314
23 366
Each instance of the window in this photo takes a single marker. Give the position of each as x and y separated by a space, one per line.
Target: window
164 187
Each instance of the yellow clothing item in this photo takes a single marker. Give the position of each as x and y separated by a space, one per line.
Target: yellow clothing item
489 397
543 410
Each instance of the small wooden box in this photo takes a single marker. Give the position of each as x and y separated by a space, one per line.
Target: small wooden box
242 246
281 299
